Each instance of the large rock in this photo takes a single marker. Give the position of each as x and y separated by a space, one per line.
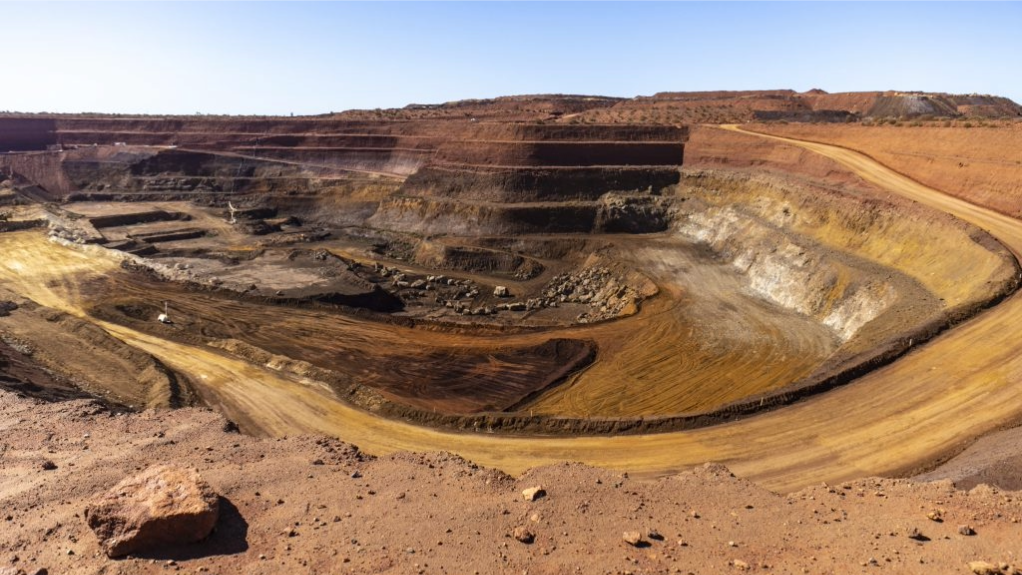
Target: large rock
163 505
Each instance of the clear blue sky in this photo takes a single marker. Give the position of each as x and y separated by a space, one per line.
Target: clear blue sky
308 58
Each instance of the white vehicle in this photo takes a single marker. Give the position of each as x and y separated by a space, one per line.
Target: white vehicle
165 316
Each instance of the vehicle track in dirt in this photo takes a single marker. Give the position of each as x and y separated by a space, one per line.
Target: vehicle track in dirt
958 387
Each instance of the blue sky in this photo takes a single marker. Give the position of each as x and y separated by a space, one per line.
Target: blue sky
308 58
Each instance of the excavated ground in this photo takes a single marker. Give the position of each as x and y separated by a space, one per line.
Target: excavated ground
870 289
717 332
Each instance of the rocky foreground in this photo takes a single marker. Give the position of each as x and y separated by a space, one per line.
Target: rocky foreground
318 505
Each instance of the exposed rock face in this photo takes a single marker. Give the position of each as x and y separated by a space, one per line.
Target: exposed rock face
789 273
163 505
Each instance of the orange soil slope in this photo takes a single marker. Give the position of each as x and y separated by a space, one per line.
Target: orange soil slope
981 165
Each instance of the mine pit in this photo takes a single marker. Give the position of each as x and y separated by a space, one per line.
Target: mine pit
513 280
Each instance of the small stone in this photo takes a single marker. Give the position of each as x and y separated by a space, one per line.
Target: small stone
318 462
655 535
935 515
984 568
732 544
966 530
633 538
740 565
524 535
914 533
355 474
48 465
533 493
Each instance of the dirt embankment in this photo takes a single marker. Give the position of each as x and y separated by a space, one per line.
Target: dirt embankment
26 378
81 356
713 148
980 164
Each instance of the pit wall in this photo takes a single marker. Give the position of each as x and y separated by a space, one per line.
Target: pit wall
539 153
610 214
397 162
27 134
953 260
40 168
789 273
394 148
24 134
535 184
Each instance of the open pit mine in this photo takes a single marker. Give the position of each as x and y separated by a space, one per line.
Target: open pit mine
521 282
459 277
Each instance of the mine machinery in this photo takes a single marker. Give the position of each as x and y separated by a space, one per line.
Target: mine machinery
164 317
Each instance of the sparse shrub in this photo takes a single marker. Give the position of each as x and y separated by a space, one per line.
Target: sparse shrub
967 125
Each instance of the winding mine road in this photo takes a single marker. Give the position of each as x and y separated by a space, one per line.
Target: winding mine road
957 387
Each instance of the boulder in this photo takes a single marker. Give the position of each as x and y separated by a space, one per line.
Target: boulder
533 493
163 505
633 538
524 535
501 291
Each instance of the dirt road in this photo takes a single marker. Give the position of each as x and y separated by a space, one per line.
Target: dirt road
960 386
